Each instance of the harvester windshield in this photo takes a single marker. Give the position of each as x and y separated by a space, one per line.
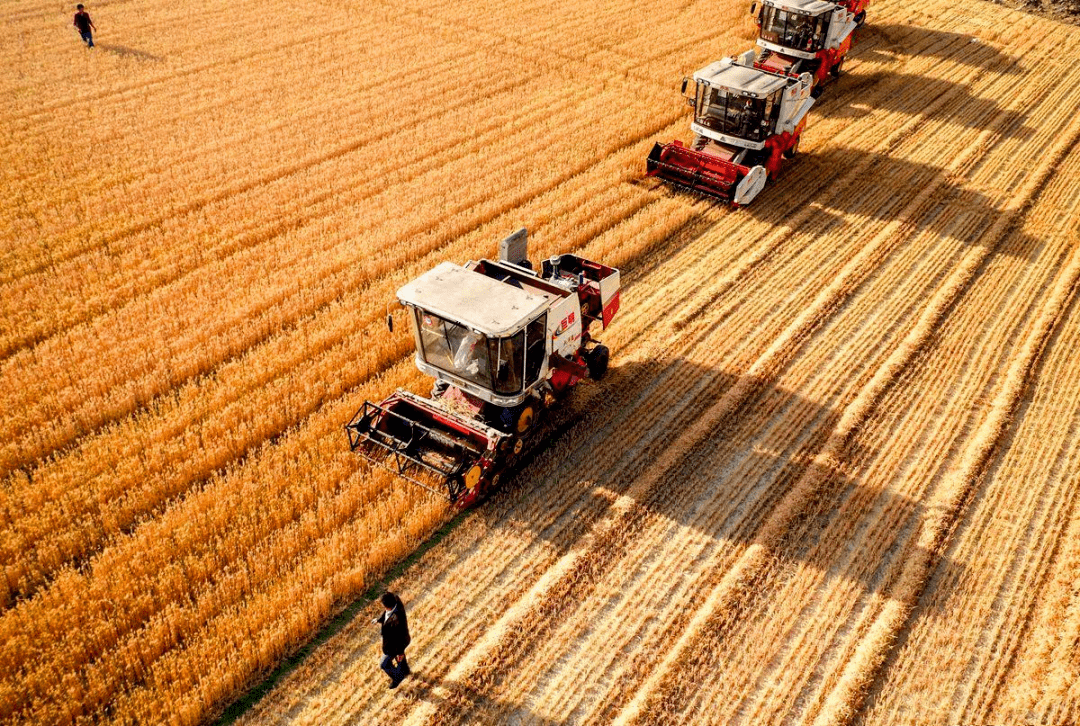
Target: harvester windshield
737 114
494 364
794 29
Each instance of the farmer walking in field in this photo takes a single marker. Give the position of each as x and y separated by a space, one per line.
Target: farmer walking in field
85 25
395 638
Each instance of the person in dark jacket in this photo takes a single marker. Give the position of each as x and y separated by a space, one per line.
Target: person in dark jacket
85 25
395 638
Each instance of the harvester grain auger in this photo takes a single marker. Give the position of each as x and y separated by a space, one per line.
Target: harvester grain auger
745 120
504 343
806 36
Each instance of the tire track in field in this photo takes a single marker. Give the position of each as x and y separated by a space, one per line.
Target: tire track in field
866 557
982 586
835 595
771 434
858 533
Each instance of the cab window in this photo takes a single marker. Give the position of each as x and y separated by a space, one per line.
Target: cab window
508 356
535 348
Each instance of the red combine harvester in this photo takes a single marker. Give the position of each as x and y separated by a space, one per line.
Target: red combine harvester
745 120
806 36
503 344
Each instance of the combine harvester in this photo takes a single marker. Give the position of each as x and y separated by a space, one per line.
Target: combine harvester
806 36
503 344
745 120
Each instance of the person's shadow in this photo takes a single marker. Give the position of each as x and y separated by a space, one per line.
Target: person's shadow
125 52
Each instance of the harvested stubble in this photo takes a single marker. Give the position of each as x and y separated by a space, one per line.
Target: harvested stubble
808 398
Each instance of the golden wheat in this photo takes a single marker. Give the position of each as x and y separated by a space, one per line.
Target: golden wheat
205 217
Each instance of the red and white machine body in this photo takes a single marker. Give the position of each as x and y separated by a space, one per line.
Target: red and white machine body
503 343
746 119
806 36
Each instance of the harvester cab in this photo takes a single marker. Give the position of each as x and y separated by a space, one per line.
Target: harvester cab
745 120
503 343
806 36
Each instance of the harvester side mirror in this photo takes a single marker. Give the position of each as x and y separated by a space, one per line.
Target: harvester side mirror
753 8
390 322
683 89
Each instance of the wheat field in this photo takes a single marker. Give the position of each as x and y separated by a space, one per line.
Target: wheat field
830 478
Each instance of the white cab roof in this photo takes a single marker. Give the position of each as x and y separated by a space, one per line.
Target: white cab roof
812 7
739 79
472 299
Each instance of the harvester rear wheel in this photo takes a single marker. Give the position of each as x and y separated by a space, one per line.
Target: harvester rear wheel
790 153
597 361
835 70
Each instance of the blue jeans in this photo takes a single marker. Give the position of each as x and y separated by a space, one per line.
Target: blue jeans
87 37
398 672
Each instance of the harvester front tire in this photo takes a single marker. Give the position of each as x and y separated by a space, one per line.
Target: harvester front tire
597 362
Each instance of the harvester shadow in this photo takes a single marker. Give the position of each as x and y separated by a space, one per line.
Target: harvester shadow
749 474
725 485
719 487
972 113
909 40
955 212
126 52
